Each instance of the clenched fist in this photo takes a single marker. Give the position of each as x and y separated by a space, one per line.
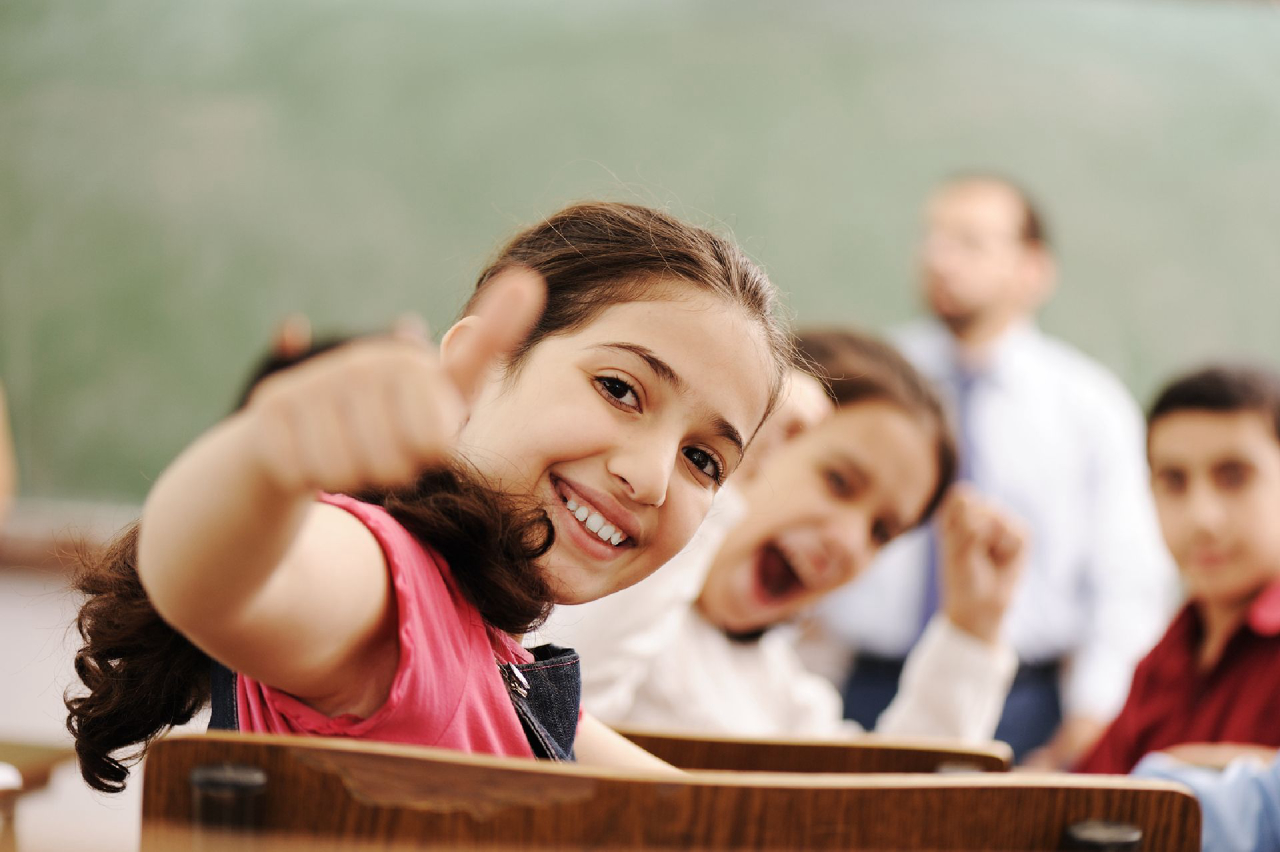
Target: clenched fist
981 553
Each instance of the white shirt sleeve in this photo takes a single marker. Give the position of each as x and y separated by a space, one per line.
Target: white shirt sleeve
953 685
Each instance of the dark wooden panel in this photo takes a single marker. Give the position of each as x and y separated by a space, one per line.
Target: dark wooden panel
870 754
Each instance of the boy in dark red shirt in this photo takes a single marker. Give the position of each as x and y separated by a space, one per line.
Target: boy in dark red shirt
1213 441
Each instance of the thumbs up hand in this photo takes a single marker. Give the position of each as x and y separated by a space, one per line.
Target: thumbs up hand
378 412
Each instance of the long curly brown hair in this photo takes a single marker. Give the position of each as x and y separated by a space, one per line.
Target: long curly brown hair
143 677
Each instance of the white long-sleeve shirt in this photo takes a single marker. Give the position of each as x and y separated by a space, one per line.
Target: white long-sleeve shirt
650 660
1059 442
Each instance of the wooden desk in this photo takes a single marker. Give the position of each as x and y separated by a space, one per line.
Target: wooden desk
34 764
340 790
50 535
866 754
186 839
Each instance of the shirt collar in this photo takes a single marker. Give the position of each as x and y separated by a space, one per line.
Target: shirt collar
1004 358
1263 617
1264 614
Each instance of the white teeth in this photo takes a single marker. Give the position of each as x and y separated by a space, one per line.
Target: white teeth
594 521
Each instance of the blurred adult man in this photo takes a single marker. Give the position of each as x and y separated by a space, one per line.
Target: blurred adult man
1052 436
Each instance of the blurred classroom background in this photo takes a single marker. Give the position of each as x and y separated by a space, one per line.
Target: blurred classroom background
176 178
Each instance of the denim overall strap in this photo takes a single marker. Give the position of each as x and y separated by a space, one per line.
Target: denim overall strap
222 691
546 695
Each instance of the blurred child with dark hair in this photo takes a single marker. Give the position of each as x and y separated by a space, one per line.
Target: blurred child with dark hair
1213 441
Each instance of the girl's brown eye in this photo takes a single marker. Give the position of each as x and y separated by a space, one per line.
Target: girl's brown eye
706 463
837 483
619 391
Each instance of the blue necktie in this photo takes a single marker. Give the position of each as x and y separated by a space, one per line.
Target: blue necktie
963 382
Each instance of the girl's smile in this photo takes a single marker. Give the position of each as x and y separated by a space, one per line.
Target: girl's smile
597 522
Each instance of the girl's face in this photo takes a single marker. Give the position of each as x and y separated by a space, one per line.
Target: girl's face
1216 481
822 506
624 430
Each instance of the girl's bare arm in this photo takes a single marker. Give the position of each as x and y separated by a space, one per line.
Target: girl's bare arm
235 552
596 744
260 576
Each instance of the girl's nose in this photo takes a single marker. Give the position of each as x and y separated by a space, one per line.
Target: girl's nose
645 470
847 547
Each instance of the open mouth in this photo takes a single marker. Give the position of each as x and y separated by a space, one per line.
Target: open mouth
777 579
591 519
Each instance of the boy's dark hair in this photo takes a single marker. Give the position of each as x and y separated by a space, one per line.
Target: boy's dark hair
144 677
856 367
1221 388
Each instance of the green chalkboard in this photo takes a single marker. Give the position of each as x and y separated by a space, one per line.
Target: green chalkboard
174 177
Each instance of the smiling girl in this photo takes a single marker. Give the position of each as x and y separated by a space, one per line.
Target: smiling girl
565 441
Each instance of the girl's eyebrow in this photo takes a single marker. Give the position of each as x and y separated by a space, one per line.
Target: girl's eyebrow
661 368
664 371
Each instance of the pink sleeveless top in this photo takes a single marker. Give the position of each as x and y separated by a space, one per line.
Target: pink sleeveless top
447 691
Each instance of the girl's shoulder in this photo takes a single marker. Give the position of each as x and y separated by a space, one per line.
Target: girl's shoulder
446 672
420 576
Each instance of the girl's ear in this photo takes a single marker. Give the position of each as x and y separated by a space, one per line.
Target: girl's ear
457 355
458 332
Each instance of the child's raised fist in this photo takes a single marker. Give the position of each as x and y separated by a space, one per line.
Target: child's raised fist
981 550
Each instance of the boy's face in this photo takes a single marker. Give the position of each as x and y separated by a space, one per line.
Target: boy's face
1216 480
